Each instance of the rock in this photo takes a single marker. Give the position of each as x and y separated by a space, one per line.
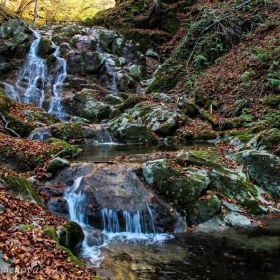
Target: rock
124 82
56 165
115 187
112 99
2 208
158 118
58 206
45 48
125 128
95 111
71 236
263 168
22 188
40 134
237 220
162 97
68 151
67 131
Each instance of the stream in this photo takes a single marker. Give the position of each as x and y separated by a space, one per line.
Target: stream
137 251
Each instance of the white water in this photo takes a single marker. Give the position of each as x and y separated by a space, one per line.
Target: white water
56 107
32 76
30 84
138 225
76 205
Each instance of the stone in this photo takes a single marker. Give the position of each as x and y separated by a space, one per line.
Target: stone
57 164
125 128
2 208
263 168
95 111
158 118
237 220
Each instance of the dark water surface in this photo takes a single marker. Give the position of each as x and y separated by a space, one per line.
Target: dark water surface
105 152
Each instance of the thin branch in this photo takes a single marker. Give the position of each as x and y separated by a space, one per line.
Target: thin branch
6 126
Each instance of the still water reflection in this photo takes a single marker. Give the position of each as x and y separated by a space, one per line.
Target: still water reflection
105 152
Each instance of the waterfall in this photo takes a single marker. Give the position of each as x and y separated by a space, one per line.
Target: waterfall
104 135
76 202
60 72
138 222
30 84
32 76
77 206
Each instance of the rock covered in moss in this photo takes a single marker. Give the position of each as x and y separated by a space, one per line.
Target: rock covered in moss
68 151
95 111
263 168
67 131
159 118
21 187
125 129
56 165
71 236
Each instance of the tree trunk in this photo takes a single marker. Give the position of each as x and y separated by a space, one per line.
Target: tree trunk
35 13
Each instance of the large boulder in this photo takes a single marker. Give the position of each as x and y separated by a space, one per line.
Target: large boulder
112 188
159 118
125 129
263 169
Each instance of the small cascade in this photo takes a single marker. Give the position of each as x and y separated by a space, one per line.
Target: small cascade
32 76
77 206
112 74
76 202
56 107
104 135
138 222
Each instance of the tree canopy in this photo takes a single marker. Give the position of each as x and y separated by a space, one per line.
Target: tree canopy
56 10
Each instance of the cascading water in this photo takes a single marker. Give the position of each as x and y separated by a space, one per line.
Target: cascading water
30 84
76 206
32 76
56 107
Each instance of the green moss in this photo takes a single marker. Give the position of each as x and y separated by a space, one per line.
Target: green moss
205 136
131 101
68 149
253 207
21 187
51 232
243 135
71 256
68 131
272 100
207 117
26 227
187 135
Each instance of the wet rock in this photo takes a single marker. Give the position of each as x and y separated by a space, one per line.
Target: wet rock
125 128
56 165
40 134
95 111
263 168
159 118
116 187
71 236
68 151
58 205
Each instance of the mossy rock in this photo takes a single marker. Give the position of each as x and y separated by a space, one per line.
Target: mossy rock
135 133
68 131
204 210
57 164
52 233
269 139
131 101
95 111
21 187
232 185
253 207
71 236
205 136
207 158
158 171
45 48
186 135
69 150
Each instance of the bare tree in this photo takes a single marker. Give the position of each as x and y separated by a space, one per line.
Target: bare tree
35 13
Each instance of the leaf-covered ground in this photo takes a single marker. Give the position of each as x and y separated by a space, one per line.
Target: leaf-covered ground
30 253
